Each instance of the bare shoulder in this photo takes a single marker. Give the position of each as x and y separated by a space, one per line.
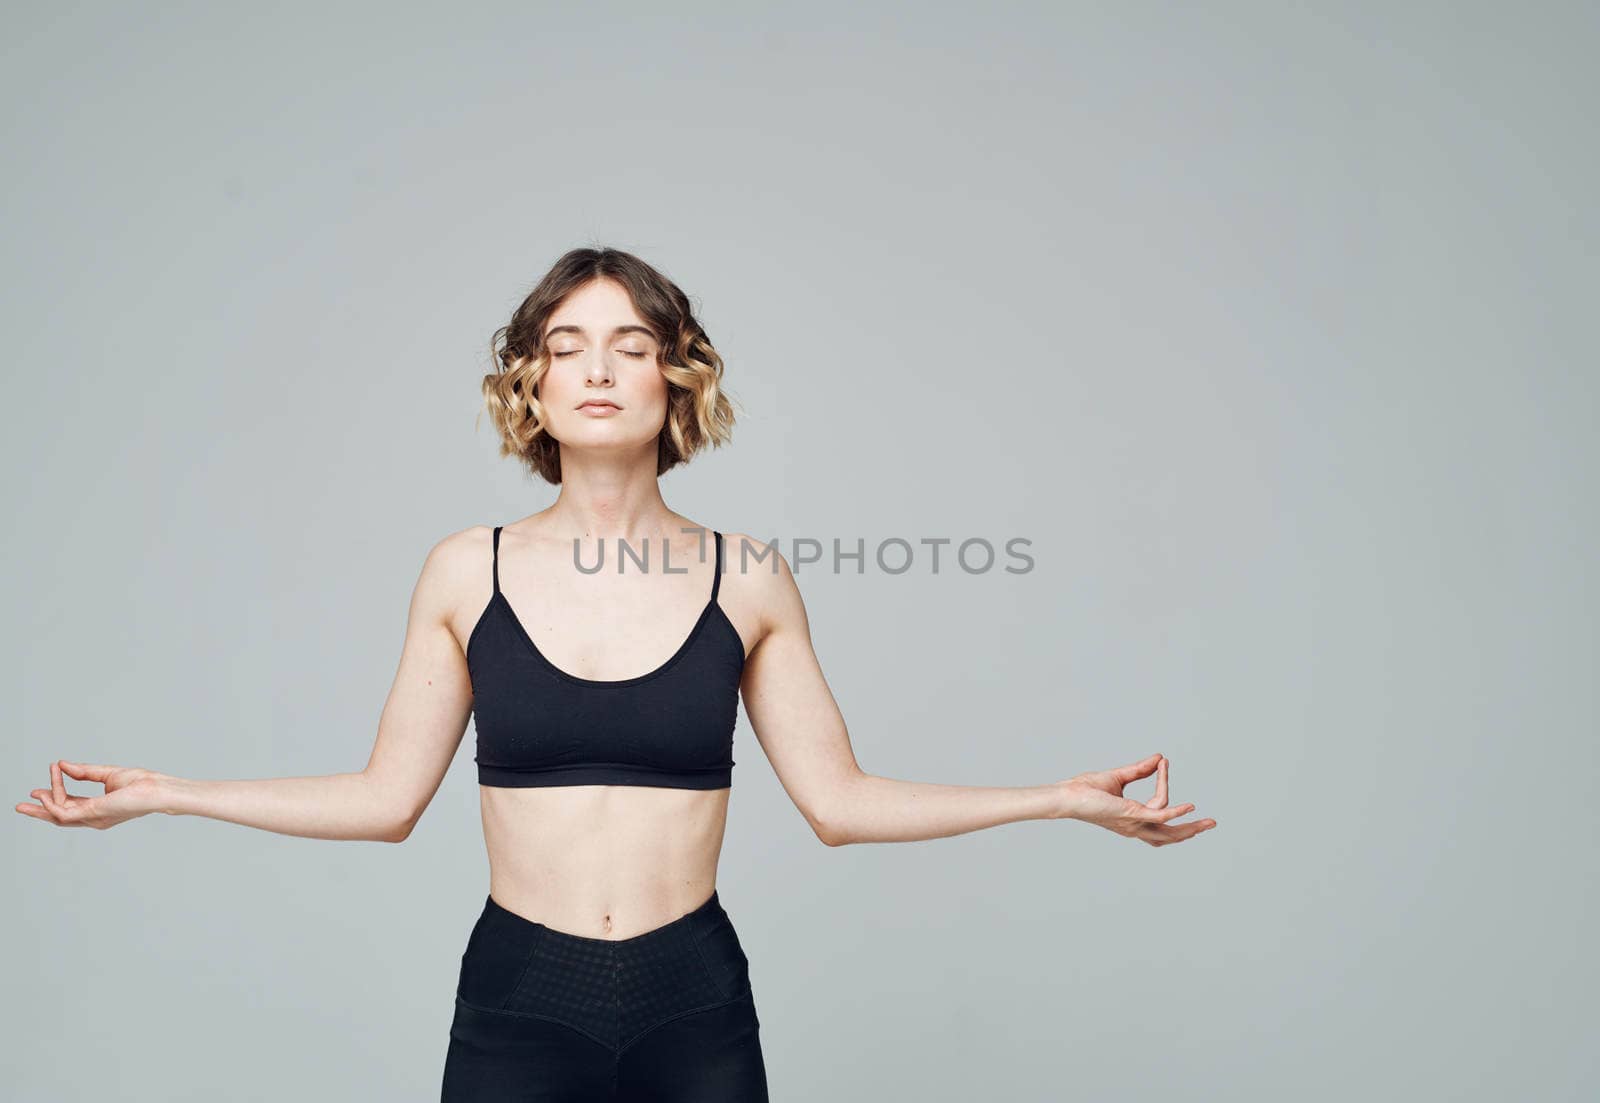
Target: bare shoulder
463 552
764 580
456 573
758 563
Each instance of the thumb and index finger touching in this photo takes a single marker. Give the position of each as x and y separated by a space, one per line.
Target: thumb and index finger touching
84 771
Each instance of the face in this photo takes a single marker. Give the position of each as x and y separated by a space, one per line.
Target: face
601 351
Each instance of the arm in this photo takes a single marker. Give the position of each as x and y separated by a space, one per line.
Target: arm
419 730
801 731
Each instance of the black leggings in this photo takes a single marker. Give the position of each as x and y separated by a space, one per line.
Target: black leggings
545 1015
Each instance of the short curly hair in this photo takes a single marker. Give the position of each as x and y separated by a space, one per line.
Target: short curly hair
699 411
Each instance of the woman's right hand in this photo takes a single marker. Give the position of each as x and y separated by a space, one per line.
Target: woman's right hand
130 792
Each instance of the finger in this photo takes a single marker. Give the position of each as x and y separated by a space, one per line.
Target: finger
85 771
1185 830
1160 799
1167 834
70 812
1142 768
40 794
1163 815
58 788
43 796
34 811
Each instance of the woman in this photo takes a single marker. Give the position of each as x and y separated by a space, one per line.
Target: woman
603 965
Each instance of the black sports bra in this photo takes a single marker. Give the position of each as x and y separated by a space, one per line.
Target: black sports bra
538 725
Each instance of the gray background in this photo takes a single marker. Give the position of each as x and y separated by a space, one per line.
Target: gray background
1262 324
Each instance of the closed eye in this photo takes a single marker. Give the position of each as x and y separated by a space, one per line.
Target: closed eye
625 352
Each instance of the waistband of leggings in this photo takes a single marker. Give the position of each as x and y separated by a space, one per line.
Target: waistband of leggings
699 920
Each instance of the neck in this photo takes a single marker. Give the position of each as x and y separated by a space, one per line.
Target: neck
611 498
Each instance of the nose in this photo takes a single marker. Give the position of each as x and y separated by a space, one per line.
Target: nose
597 369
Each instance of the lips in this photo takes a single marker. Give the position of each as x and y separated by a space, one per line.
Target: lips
599 402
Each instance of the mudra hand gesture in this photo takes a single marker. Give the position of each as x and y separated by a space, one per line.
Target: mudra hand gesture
130 793
1097 798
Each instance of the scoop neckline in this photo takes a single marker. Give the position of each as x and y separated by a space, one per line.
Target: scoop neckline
527 640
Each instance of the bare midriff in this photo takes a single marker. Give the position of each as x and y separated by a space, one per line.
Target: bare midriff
602 861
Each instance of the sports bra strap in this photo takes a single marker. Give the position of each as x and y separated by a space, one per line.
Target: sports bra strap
497 559
716 577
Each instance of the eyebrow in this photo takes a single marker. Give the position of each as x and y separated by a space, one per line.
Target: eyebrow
619 331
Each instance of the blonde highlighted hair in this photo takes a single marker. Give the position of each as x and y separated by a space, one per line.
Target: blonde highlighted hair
699 411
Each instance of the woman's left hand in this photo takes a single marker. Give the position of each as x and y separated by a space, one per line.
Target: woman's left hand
1097 798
